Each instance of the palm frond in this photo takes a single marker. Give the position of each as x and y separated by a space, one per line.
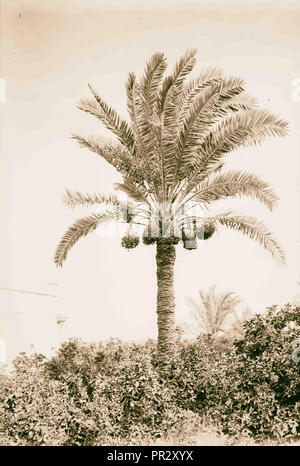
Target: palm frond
207 78
149 85
240 102
135 192
79 229
170 100
109 117
206 109
210 314
182 68
225 303
255 230
231 184
75 198
145 145
240 129
92 143
129 86
208 301
248 125
131 92
208 106
193 180
146 132
143 100
116 155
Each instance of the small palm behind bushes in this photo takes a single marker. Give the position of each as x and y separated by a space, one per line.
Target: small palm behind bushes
113 393
210 315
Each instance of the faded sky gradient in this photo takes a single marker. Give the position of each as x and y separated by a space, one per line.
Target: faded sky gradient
50 50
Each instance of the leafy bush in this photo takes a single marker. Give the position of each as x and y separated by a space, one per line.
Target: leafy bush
33 409
251 387
265 379
134 402
85 395
113 394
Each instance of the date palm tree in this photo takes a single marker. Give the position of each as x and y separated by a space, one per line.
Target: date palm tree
210 313
171 153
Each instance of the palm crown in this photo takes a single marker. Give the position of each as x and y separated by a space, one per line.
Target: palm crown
171 156
210 314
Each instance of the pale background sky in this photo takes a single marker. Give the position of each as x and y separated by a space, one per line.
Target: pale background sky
50 50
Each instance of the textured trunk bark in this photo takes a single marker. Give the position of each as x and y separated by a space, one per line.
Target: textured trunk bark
165 259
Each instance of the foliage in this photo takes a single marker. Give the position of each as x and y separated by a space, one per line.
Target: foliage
171 153
113 394
87 394
210 314
34 410
251 387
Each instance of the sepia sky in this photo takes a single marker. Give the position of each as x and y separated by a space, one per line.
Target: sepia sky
50 50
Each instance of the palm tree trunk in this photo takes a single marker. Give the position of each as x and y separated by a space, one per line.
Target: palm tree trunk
165 259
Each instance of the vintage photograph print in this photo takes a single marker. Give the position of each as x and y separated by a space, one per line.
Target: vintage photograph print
150 225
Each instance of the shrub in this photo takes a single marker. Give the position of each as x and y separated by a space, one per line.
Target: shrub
76 365
86 395
134 402
34 410
265 380
251 387
197 373
113 393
